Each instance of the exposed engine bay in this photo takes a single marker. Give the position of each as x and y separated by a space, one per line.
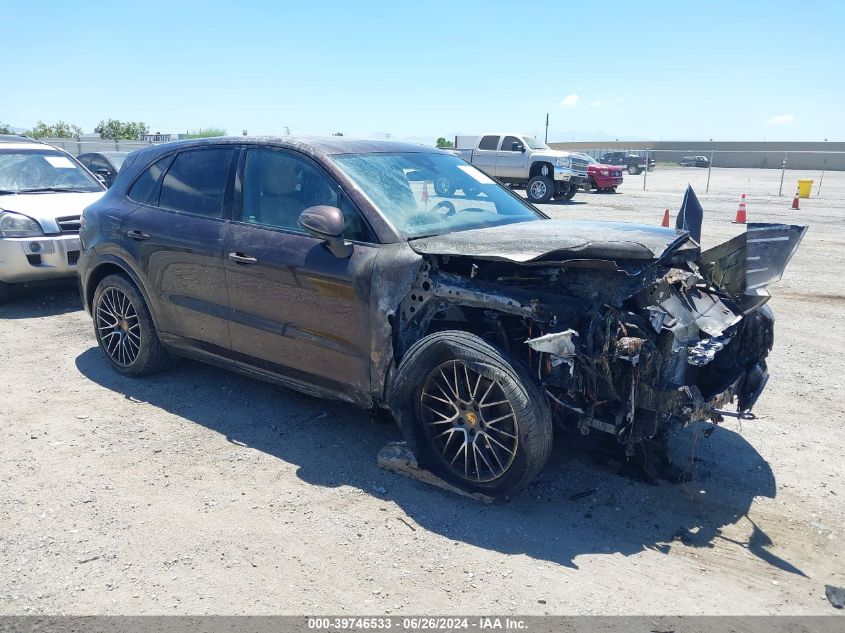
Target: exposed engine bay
630 335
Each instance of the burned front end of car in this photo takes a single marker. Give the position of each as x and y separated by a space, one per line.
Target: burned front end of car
629 330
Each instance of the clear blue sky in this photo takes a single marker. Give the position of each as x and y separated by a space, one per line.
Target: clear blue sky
417 70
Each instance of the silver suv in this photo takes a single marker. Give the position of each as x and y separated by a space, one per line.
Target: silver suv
43 191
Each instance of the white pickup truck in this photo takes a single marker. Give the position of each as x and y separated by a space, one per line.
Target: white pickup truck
517 159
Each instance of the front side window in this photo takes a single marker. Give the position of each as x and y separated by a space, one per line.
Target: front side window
42 170
196 182
489 142
278 186
425 194
511 144
98 163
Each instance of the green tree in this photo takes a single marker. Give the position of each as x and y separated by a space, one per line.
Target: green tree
120 131
338 134
205 133
442 142
57 130
5 129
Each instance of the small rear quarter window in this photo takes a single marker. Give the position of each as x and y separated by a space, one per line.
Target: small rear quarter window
147 187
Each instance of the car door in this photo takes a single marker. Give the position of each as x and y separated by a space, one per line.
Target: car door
485 155
176 235
297 310
510 160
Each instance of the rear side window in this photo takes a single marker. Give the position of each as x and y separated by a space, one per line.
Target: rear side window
196 182
489 142
146 188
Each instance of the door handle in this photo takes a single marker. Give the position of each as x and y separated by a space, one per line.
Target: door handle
138 235
240 258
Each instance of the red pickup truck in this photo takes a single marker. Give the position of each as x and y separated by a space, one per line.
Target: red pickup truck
602 177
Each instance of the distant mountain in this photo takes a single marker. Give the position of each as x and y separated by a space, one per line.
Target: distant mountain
563 136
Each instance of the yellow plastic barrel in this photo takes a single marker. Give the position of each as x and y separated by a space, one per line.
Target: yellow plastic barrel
804 186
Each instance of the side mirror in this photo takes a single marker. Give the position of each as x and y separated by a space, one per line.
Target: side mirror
326 223
101 180
522 148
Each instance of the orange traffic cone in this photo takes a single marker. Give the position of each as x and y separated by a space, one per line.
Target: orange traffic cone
740 212
665 218
795 201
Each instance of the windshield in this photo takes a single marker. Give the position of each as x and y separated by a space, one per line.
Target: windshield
591 160
116 160
535 143
431 194
26 170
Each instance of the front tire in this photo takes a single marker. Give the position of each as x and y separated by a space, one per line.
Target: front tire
5 291
540 189
471 191
444 187
570 193
483 422
124 328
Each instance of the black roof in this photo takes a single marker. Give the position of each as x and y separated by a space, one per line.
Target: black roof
17 138
315 146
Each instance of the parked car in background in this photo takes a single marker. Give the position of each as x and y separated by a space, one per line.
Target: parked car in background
602 177
633 163
516 159
43 191
478 322
695 161
105 164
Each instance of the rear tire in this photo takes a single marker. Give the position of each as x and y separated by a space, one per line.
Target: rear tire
540 189
124 328
634 169
483 423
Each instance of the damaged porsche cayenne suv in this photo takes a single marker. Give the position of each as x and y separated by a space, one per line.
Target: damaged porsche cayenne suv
331 267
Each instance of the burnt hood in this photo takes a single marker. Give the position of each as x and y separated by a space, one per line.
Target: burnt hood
560 240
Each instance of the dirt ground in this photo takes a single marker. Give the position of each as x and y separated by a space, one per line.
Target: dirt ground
199 491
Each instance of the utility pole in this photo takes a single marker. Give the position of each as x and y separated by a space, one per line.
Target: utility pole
547 127
287 130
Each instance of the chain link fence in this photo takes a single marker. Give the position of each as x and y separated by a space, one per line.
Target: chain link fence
81 146
776 172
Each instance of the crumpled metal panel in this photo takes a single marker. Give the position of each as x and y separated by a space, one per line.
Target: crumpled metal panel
557 343
548 240
769 249
753 259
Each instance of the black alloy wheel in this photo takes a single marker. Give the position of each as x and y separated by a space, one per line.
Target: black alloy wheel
470 422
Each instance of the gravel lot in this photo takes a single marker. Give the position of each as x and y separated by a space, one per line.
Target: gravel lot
199 491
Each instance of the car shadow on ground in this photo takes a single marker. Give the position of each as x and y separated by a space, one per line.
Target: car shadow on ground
42 299
578 505
565 203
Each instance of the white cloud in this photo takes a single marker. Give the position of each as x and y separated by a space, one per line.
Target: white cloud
781 119
570 101
594 104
